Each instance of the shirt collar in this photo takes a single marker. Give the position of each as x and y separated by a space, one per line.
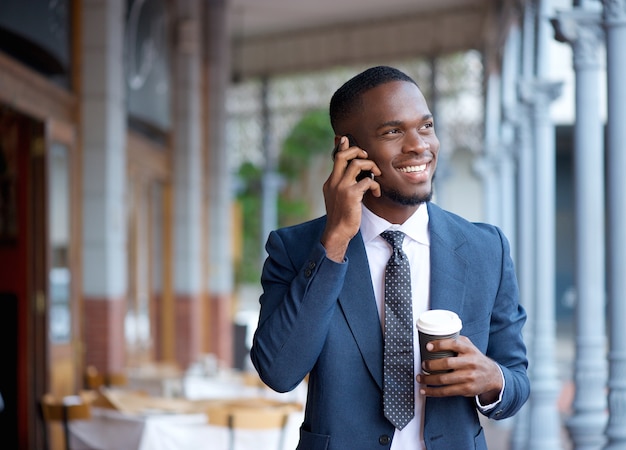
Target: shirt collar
415 227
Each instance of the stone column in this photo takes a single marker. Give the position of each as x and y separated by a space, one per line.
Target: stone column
615 25
525 260
545 424
270 183
488 164
496 166
103 134
219 184
581 28
187 159
526 219
509 138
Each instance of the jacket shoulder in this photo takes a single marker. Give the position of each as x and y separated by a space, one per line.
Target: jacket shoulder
446 223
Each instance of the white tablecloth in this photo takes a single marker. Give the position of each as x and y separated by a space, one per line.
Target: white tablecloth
155 429
197 387
113 430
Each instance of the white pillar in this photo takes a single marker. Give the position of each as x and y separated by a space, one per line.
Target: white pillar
488 166
104 150
545 424
187 179
187 150
615 24
270 181
104 236
526 218
581 28
220 185
508 137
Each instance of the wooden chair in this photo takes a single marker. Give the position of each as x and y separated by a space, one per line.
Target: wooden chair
116 379
252 379
94 380
252 414
65 410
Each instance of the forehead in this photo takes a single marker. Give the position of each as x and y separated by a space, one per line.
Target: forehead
396 100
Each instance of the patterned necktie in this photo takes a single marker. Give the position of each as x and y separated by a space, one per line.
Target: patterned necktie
398 395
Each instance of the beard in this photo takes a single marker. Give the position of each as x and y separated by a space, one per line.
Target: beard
407 200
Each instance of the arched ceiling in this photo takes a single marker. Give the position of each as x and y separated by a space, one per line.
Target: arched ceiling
280 36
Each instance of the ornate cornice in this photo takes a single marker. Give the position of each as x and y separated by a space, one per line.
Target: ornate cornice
583 31
614 12
536 93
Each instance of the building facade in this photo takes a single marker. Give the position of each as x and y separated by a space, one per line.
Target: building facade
118 226
115 217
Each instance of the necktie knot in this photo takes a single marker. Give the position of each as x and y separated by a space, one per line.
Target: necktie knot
394 238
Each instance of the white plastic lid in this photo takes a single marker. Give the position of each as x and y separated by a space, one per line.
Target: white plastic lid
439 322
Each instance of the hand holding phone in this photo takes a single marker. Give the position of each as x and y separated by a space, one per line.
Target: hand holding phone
343 198
352 142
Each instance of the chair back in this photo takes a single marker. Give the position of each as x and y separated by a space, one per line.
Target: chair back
64 410
117 379
93 378
248 418
252 414
69 408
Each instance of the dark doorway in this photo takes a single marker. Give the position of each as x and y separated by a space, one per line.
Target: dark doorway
23 262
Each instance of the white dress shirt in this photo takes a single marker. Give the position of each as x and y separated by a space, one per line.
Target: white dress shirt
416 245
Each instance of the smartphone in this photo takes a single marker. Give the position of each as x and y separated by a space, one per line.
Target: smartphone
363 173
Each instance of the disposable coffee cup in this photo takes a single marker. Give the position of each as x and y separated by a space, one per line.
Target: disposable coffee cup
437 324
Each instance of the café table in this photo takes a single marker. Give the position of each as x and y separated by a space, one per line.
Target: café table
163 380
114 430
139 422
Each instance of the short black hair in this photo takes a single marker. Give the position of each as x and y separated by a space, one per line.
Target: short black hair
348 96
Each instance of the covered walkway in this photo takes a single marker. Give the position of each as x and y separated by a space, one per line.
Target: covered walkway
116 117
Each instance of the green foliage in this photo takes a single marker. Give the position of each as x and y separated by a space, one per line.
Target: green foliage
312 135
291 211
249 198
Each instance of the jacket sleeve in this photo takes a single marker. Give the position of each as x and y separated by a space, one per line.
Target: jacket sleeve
297 304
506 345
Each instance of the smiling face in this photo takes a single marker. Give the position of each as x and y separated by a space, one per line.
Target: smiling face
394 125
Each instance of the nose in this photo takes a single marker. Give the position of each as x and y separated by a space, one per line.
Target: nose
415 142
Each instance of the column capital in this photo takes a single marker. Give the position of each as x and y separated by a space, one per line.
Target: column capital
487 164
511 114
533 92
582 29
614 12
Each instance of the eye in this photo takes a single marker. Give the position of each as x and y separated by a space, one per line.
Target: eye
392 131
428 127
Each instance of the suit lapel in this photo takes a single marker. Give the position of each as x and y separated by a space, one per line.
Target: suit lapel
359 308
448 269
447 287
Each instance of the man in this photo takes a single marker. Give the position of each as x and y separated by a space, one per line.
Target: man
322 305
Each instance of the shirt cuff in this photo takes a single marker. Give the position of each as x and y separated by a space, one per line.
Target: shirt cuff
486 408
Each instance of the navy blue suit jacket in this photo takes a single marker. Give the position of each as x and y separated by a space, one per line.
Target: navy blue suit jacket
319 317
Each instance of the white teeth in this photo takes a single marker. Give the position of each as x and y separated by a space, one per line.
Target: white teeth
411 169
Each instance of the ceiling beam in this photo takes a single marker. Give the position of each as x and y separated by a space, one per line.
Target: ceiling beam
371 42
